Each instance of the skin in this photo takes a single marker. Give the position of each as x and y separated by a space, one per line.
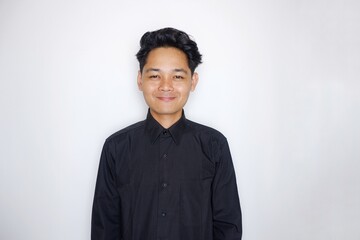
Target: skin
166 82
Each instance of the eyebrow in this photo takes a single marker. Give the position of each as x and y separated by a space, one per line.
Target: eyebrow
180 70
152 70
158 70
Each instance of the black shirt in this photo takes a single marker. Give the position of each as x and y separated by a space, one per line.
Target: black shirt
155 183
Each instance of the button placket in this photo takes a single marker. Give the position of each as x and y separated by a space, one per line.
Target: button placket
163 214
164 184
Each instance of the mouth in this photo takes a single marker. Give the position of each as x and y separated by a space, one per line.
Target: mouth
166 99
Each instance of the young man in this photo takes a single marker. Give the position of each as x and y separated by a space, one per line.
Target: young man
166 177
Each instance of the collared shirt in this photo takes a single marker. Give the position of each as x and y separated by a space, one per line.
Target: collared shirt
166 184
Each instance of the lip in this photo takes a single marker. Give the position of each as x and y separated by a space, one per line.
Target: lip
166 99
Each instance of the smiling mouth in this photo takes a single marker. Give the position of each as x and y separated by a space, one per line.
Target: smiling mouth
166 99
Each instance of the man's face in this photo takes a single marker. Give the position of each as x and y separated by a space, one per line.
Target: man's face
166 82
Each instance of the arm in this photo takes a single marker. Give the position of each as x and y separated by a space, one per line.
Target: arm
105 213
227 223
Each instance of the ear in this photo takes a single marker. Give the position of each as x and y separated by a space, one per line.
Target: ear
194 81
139 80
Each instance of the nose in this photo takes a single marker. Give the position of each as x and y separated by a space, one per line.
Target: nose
166 84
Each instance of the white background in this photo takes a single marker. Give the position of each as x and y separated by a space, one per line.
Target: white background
280 79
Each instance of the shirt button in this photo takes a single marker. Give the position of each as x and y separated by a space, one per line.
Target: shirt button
163 214
165 155
164 132
164 185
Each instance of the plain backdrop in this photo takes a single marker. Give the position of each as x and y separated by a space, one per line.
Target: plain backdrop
280 79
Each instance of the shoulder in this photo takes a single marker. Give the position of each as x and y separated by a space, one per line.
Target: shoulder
213 142
125 133
206 132
208 137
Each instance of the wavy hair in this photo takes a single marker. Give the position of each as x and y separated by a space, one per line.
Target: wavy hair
169 37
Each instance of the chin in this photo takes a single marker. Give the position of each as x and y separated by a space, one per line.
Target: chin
166 111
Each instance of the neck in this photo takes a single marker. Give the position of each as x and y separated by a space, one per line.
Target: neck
166 120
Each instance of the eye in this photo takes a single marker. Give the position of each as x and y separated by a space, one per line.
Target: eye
178 77
154 76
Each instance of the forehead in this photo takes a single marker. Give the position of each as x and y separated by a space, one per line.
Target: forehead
166 57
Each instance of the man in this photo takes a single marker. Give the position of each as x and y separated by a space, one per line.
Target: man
166 177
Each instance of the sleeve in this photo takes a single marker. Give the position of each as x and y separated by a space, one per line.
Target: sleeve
105 221
227 222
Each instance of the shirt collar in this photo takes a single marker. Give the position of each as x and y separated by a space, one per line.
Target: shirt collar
153 129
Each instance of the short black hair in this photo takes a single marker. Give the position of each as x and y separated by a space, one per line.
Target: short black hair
169 37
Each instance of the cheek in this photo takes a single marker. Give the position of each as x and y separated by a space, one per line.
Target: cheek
184 89
149 87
